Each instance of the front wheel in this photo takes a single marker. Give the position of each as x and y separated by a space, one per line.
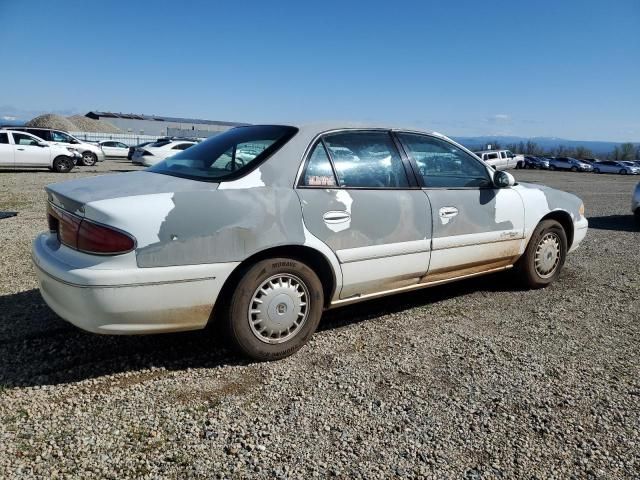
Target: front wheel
62 165
544 257
89 159
552 167
574 169
622 171
275 308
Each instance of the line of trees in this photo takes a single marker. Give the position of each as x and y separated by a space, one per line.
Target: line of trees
625 151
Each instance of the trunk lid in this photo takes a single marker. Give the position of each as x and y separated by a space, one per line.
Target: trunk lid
72 195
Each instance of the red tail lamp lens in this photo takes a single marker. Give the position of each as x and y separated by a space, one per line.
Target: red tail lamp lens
82 234
100 239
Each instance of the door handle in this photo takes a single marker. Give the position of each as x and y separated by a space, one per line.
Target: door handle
21 149
448 212
336 216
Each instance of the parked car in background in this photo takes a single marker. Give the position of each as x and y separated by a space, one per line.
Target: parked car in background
266 245
89 152
570 164
158 151
23 150
132 150
635 203
498 159
114 149
536 162
634 168
613 166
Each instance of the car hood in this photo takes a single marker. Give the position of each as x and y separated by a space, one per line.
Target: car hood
72 195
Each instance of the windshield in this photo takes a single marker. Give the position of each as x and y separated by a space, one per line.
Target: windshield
228 155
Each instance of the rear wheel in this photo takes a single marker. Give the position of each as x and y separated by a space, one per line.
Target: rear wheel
552 167
544 257
89 159
275 308
62 165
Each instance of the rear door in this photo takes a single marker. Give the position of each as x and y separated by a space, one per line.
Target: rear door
360 199
476 227
30 151
6 150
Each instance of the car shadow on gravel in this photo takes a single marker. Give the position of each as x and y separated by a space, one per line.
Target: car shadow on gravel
39 348
618 223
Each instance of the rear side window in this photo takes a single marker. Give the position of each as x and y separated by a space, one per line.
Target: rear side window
228 155
366 160
4 138
319 172
182 146
442 164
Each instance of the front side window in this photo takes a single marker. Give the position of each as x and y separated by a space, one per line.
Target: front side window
319 172
24 139
4 138
60 137
366 160
442 164
227 155
121 145
43 134
503 155
491 156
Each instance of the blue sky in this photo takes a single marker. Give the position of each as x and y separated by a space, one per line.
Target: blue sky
533 68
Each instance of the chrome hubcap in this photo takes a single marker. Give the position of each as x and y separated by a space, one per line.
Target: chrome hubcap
279 308
547 255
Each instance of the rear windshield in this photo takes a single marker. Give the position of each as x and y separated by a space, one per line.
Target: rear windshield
228 155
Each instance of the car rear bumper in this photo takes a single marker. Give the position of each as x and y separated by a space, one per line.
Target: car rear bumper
129 300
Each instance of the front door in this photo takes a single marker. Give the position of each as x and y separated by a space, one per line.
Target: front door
6 150
30 151
476 227
358 198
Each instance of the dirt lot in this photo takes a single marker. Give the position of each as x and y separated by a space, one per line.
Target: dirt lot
477 379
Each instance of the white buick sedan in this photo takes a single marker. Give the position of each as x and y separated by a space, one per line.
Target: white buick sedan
263 227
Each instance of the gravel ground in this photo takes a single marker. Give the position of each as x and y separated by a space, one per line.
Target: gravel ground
470 380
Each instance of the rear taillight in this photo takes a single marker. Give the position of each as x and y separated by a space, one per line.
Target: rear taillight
87 236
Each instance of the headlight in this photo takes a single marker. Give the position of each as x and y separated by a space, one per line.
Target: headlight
581 210
71 149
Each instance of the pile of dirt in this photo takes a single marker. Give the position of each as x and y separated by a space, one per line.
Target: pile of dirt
86 124
50 120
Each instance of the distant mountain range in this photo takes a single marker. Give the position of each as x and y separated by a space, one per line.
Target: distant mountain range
547 143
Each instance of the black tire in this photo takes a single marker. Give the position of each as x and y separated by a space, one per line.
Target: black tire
526 268
574 169
596 170
622 171
552 167
242 324
62 164
636 214
89 159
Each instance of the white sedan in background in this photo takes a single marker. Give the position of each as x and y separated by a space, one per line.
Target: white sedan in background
23 150
114 149
158 151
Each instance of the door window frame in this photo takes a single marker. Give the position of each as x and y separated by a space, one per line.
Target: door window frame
319 139
416 170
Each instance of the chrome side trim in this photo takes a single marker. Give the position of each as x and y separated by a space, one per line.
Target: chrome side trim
371 252
120 285
482 238
370 296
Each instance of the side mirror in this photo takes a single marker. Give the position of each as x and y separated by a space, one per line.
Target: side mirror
41 145
503 179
